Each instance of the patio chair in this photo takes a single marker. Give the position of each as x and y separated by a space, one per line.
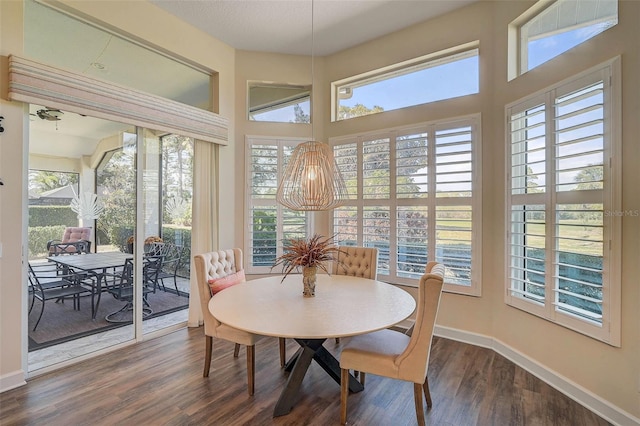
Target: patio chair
171 261
48 284
123 290
75 240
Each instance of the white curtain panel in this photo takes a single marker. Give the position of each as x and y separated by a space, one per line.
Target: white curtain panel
204 231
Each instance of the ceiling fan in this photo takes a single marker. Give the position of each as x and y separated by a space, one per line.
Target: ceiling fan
50 114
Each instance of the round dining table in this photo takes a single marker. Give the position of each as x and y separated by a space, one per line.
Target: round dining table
342 306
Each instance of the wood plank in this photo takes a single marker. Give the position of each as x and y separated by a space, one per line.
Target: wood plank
160 382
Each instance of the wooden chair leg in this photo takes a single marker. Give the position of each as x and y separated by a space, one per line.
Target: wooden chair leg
251 367
344 393
208 347
427 394
362 376
283 351
417 396
236 351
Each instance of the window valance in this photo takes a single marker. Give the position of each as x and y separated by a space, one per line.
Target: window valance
33 82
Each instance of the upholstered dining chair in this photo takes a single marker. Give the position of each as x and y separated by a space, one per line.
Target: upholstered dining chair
357 262
397 355
215 271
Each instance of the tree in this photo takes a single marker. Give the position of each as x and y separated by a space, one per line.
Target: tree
116 185
532 182
177 178
358 110
590 177
43 180
301 117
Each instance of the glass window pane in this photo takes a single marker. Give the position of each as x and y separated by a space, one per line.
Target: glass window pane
345 225
580 139
412 238
527 249
423 81
528 156
579 255
92 51
376 224
282 103
454 162
453 242
563 25
346 157
376 177
264 235
411 166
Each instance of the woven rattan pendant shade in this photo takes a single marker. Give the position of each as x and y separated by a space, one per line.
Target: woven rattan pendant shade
312 180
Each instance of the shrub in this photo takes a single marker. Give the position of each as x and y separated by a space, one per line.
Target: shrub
38 237
180 236
52 215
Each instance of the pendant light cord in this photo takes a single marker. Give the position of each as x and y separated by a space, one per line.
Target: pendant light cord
312 77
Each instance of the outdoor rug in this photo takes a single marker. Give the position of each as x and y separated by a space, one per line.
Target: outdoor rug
60 323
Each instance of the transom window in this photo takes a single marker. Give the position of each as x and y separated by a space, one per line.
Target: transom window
413 194
442 75
284 103
562 239
550 28
268 222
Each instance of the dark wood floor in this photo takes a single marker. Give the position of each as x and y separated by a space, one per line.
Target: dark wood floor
159 382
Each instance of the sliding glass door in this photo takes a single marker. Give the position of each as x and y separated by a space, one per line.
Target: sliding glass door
130 189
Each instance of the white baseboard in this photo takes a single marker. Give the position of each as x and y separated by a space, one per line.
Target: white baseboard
584 397
12 381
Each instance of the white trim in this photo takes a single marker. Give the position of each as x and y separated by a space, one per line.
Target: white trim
582 396
12 381
33 82
610 328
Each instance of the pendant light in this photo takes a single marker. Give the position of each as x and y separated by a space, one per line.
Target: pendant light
312 180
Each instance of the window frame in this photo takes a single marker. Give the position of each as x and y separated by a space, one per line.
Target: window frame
280 143
518 35
609 330
360 203
431 60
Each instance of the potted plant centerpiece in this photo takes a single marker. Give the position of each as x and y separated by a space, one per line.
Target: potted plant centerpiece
310 254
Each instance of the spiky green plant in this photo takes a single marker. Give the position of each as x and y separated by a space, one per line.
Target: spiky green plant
315 251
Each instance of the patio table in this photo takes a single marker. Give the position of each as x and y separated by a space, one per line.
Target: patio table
95 264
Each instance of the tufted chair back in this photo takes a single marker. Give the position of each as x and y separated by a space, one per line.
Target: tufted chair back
212 265
357 262
76 233
75 239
